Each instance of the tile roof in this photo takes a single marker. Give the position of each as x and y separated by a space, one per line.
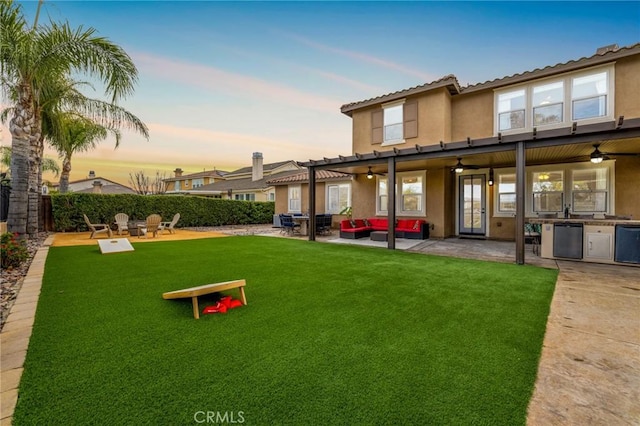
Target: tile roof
321 175
205 173
265 167
242 184
451 82
108 189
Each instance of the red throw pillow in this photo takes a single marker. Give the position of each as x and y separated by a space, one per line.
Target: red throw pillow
366 222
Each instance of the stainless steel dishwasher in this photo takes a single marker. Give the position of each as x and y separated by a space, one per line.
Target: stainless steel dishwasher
567 240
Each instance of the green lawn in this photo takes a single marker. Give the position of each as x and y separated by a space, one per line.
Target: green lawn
332 334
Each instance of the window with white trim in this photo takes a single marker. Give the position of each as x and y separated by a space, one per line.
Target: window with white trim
506 193
583 188
295 202
197 183
589 189
585 97
548 191
511 110
410 194
393 123
338 197
245 197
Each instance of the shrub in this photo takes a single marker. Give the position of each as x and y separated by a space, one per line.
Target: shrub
12 250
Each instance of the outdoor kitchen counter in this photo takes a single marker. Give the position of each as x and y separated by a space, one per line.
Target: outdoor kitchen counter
613 241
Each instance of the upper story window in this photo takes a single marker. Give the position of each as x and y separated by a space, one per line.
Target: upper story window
558 101
511 110
548 103
338 197
589 96
393 123
197 183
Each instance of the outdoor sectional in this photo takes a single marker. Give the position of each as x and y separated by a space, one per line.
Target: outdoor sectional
417 229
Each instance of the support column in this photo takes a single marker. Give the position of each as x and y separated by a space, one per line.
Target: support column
312 204
391 207
520 197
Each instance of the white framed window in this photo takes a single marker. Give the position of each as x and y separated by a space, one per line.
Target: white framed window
511 110
589 96
589 190
548 191
295 202
548 103
393 117
245 197
583 188
271 196
338 197
410 194
506 193
585 97
197 183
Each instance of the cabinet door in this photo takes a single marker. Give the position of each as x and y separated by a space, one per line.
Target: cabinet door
599 246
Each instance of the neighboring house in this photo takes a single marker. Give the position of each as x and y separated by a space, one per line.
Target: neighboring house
183 184
97 185
333 192
249 183
483 159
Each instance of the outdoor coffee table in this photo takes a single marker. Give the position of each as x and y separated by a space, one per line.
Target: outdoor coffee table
133 227
379 236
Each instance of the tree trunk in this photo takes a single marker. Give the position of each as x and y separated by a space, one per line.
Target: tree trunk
64 175
25 133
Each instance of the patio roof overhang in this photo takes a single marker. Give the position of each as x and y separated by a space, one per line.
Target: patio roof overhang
546 147
562 144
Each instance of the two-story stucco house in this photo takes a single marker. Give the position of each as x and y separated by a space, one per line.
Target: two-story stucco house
484 159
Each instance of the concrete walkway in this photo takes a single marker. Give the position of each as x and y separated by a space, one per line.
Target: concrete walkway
589 372
14 339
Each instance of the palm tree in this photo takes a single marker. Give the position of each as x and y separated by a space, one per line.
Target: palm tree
30 60
48 164
78 134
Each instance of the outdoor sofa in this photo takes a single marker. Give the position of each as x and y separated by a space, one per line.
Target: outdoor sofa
416 229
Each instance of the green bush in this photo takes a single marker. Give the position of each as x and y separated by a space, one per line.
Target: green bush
194 211
13 251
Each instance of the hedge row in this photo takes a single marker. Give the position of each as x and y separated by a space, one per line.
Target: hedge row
194 211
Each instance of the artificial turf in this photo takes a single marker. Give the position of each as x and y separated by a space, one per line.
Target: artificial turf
332 334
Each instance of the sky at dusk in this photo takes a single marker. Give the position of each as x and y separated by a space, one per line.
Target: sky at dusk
221 80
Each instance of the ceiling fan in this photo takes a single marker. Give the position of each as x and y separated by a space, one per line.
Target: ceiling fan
598 156
459 167
370 173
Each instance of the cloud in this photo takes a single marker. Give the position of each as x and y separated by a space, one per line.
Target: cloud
218 80
361 57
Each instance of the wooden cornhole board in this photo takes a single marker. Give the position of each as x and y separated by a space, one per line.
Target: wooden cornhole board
114 245
194 292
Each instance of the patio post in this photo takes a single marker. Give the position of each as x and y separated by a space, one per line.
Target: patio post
520 191
391 207
312 204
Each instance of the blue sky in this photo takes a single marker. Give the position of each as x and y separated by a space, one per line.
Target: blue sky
220 80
